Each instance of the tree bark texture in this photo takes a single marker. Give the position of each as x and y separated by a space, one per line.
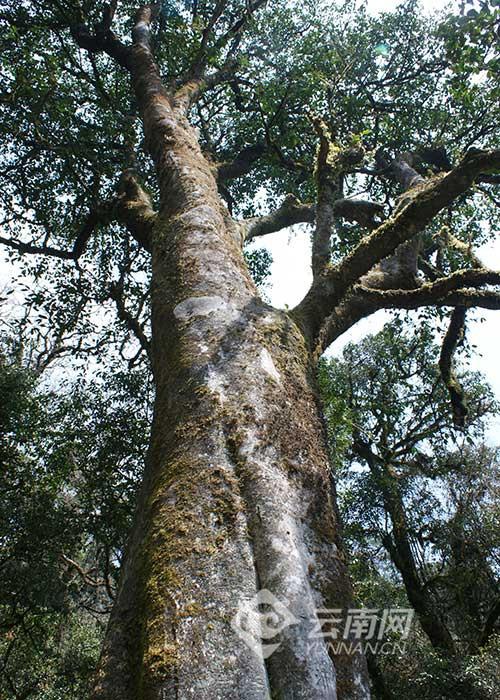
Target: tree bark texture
236 498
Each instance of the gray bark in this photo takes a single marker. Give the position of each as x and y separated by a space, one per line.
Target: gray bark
236 497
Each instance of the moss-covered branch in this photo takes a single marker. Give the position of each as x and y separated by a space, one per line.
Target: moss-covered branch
292 211
421 205
453 336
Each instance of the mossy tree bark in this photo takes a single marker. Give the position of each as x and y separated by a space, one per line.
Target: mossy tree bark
237 493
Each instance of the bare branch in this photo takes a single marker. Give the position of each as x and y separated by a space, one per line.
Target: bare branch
413 299
292 212
201 55
289 213
196 81
442 286
242 164
133 325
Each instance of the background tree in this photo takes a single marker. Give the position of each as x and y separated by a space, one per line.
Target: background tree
418 500
138 141
69 467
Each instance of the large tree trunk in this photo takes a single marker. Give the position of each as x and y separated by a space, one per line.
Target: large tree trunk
236 497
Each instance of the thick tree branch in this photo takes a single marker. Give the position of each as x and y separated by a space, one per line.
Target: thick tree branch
192 89
242 164
141 31
292 212
329 187
133 208
422 203
364 301
453 336
413 299
332 162
438 289
289 213
361 211
493 179
103 40
197 81
400 169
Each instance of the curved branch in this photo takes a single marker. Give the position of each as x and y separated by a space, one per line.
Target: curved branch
364 301
433 290
242 164
133 325
186 96
98 216
289 213
455 243
401 299
292 211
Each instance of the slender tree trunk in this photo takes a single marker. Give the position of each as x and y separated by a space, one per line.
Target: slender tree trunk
399 549
236 497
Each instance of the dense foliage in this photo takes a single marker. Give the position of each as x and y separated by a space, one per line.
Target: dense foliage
419 501
69 465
